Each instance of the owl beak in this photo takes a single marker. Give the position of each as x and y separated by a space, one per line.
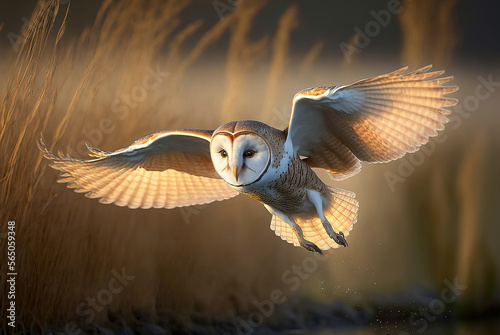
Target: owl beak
236 172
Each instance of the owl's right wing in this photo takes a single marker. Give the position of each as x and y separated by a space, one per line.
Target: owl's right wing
166 169
373 120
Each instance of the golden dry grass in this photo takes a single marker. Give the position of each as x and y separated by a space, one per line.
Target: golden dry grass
70 245
438 224
429 31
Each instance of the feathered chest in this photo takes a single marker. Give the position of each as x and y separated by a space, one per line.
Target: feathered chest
284 185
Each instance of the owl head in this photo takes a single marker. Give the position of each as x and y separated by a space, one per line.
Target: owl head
240 151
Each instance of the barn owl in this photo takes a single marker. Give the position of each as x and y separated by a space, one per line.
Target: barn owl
334 128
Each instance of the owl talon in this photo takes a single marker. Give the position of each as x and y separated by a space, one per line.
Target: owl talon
309 246
339 239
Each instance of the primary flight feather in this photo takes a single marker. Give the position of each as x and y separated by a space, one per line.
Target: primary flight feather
335 128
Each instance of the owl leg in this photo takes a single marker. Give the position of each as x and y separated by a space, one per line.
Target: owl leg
303 242
308 245
316 200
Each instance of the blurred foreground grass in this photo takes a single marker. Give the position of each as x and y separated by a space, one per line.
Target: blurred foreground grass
428 219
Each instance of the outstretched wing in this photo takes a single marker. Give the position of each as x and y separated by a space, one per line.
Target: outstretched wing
373 120
166 169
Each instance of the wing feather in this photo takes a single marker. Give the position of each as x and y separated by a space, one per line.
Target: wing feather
166 169
374 120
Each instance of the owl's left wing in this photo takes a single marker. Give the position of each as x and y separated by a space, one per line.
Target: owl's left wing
373 120
166 169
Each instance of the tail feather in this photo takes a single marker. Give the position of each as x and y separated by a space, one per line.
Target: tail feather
283 230
341 212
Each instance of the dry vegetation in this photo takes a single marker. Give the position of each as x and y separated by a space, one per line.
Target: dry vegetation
439 224
420 22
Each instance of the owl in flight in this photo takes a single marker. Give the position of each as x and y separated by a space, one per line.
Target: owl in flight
335 128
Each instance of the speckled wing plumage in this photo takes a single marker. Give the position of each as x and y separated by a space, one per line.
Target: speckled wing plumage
167 169
373 120
341 213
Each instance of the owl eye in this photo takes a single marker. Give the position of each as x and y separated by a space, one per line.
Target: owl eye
223 153
249 154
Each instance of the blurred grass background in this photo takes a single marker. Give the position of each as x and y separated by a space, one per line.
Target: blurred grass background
82 80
